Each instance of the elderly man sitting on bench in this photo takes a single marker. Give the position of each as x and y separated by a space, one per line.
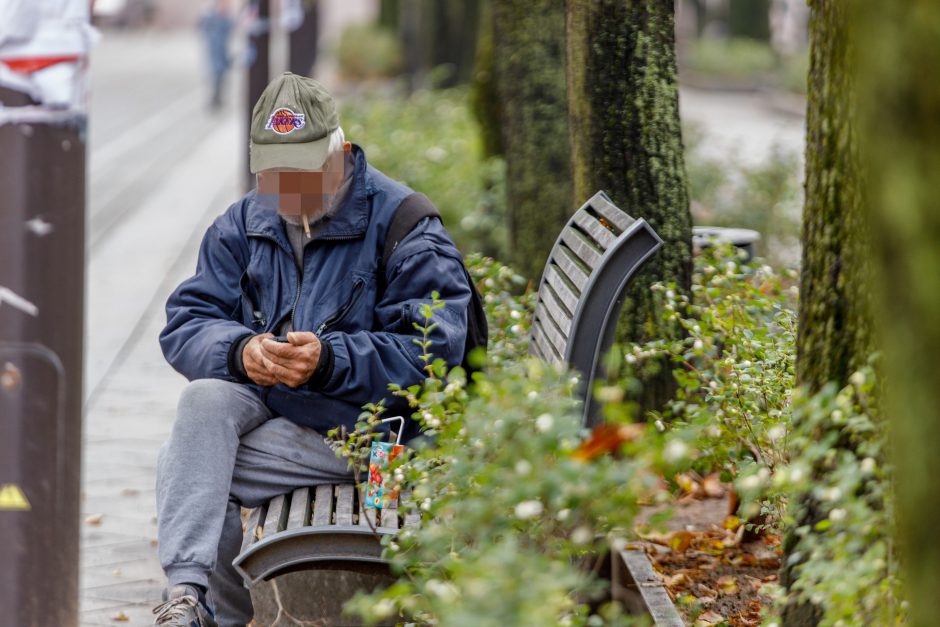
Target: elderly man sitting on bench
288 326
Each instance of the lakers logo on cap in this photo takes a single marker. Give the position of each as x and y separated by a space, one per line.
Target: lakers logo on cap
284 121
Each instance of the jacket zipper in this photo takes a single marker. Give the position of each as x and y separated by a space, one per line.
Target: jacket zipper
293 307
340 313
256 307
257 311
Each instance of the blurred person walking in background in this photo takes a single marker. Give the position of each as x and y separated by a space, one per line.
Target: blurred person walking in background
216 25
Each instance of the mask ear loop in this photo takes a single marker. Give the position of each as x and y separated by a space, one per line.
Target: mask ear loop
401 427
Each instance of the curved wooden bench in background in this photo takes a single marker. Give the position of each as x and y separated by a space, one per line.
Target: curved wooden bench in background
583 286
580 296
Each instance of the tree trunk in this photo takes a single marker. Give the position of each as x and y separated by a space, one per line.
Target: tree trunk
749 18
484 100
626 140
302 43
439 35
899 101
454 40
389 11
834 336
529 67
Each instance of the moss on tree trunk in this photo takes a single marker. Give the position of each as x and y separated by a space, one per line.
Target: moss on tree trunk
627 140
484 100
529 70
899 105
834 336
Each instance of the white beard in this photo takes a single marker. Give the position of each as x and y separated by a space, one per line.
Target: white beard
332 203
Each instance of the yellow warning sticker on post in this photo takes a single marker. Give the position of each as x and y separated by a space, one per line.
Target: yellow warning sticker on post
12 498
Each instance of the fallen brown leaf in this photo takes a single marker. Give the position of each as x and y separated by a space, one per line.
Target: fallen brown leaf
94 519
712 486
688 484
607 439
676 580
680 540
709 618
727 584
121 617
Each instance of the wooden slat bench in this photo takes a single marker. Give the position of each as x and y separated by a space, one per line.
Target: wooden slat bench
578 302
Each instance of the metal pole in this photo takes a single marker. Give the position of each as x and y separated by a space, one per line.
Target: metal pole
302 49
42 261
258 70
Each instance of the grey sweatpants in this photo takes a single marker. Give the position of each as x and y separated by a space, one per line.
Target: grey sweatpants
227 450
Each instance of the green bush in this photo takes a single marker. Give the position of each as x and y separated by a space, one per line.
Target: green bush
516 500
430 141
734 58
792 456
735 364
839 478
514 516
368 51
766 197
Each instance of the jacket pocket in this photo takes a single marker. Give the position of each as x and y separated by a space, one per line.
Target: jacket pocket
334 319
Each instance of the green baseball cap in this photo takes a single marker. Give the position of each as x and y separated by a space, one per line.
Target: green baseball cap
291 124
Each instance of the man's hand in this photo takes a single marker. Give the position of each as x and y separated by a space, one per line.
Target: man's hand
294 362
252 359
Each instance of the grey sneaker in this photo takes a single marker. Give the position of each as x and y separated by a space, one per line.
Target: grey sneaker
181 608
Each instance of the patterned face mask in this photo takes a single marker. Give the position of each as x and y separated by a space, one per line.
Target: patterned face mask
380 493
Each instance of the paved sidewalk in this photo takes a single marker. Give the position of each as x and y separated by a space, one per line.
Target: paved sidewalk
154 188
125 424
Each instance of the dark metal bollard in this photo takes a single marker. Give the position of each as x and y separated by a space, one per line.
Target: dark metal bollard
258 72
42 250
302 43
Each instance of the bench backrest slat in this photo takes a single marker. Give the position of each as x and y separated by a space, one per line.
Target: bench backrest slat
593 228
570 270
583 251
582 289
559 286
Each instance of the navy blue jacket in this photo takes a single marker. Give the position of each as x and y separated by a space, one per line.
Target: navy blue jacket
246 282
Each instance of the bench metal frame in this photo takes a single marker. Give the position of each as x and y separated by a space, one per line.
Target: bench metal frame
580 296
595 257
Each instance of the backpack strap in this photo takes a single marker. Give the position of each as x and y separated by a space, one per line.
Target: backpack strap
414 208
